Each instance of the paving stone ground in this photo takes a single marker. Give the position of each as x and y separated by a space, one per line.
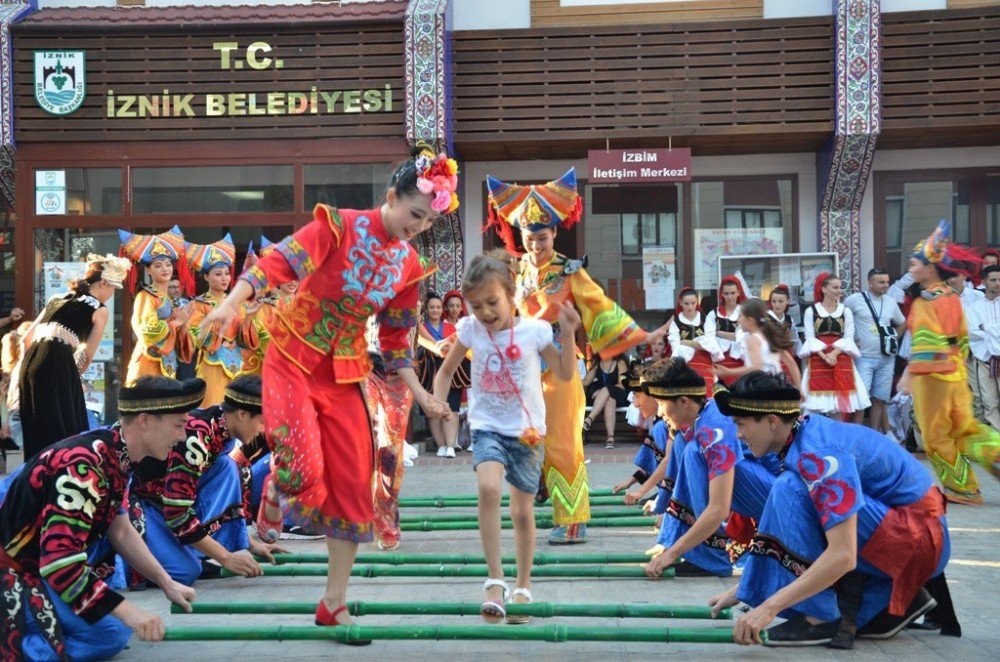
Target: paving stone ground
974 577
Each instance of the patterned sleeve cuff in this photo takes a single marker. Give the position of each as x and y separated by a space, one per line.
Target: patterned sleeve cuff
397 359
257 279
297 257
102 603
398 318
640 476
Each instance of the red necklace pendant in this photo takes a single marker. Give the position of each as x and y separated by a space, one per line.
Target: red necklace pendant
513 352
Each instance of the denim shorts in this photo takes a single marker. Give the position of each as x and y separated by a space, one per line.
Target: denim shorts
523 463
876 374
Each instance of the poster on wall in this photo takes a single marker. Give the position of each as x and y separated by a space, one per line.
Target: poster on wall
659 273
93 379
710 245
56 277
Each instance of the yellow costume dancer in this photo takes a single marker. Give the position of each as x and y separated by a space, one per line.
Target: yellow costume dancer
545 280
160 328
264 310
942 402
220 355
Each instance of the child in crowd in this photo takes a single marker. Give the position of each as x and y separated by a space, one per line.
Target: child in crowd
506 412
764 345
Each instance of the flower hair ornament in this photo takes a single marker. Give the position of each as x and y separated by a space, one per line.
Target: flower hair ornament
437 175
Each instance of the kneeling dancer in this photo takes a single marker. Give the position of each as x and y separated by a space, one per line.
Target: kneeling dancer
717 481
851 532
61 522
196 508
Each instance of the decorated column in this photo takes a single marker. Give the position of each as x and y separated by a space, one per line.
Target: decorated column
9 13
428 119
844 164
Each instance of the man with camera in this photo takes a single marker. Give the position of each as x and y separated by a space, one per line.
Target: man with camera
878 325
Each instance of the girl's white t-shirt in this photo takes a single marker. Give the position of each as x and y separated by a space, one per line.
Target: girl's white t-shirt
493 402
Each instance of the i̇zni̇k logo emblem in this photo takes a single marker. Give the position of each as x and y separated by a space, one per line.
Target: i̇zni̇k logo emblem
60 80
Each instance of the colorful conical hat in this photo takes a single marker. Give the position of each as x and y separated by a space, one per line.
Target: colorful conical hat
938 249
533 208
266 246
147 248
204 257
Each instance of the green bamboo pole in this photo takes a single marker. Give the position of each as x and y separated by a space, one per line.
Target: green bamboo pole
536 609
397 558
542 523
603 571
554 633
451 498
470 502
471 516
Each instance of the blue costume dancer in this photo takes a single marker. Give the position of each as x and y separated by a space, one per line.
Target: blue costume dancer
61 521
847 499
197 509
717 479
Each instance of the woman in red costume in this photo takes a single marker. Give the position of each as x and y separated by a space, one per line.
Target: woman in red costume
351 265
724 323
690 341
831 384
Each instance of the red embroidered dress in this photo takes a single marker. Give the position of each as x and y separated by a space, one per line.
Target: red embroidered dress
314 410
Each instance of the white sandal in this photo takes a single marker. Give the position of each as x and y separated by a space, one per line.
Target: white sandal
519 620
494 612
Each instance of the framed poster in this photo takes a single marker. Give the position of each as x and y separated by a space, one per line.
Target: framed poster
711 245
796 270
659 274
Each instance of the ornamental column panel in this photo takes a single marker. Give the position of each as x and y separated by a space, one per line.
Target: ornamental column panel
845 163
427 40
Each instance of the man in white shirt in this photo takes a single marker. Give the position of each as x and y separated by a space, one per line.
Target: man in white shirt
878 325
969 296
984 345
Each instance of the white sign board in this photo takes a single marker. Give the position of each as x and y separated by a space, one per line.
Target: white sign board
50 192
659 275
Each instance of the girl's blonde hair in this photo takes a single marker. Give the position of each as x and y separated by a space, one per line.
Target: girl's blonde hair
10 347
497 264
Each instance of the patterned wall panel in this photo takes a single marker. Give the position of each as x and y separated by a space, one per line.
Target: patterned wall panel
845 163
428 119
10 11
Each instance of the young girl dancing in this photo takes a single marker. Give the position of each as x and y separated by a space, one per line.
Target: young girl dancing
506 412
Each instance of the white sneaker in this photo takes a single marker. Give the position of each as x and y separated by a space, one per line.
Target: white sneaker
449 452
441 450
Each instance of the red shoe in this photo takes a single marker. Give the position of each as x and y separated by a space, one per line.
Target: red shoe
327 618
268 530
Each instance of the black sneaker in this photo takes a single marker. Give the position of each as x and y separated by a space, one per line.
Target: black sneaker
688 569
296 532
210 570
886 626
800 632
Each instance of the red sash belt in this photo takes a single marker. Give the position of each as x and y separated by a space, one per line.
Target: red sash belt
907 546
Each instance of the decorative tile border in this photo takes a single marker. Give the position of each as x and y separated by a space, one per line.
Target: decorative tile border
428 119
845 163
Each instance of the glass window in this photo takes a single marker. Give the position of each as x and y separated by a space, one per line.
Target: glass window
213 189
58 252
993 210
912 211
348 185
91 191
739 217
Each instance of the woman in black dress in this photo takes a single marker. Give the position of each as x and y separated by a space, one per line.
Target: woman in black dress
58 348
604 390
